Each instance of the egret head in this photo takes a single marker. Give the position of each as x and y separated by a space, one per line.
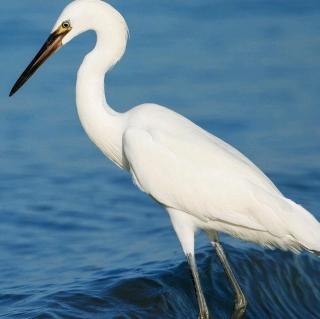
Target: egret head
79 16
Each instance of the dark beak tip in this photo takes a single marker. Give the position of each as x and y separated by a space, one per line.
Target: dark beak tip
13 91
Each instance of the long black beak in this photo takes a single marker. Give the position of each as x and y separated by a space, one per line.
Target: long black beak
53 43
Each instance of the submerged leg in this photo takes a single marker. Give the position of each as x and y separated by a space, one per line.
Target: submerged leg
240 302
204 313
184 227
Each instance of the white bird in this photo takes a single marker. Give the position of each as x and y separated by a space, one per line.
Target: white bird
201 181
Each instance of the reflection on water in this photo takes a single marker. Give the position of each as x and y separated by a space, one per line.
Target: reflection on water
77 239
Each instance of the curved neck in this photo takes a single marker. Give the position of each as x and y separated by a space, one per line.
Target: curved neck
103 125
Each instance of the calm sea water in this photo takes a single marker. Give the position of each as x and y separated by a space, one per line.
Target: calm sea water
77 239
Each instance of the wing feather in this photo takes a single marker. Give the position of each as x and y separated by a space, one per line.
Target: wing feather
198 179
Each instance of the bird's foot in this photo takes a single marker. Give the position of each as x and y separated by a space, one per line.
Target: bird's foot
204 315
239 308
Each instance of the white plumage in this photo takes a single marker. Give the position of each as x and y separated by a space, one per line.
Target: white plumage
189 170
203 182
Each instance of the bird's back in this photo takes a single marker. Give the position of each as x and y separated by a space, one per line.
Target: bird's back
195 144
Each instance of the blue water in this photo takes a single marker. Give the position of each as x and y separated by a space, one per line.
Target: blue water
77 239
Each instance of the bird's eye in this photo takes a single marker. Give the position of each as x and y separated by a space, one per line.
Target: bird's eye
65 24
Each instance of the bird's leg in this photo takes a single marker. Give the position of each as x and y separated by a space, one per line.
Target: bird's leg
204 313
240 302
185 228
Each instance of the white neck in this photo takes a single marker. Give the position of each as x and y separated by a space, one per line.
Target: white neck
103 125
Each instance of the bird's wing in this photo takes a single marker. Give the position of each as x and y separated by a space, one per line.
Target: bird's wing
201 178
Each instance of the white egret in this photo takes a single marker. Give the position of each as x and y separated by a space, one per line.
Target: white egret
201 181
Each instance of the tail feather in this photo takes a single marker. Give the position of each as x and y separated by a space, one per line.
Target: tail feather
304 228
